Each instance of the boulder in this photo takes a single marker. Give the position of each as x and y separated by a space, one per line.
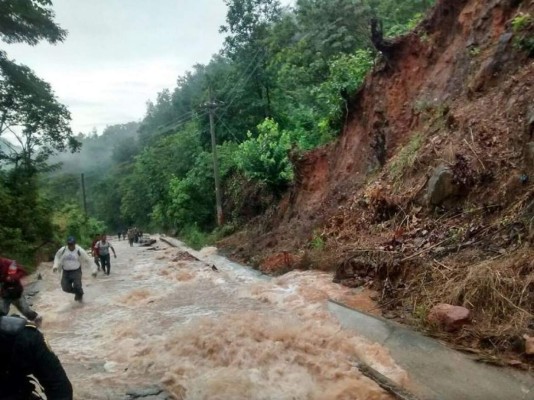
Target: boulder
441 186
449 317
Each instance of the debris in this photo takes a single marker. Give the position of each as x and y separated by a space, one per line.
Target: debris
384 382
214 268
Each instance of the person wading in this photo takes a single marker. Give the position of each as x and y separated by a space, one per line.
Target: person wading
70 259
94 251
11 290
24 352
103 247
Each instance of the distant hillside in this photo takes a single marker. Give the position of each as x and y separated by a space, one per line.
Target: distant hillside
116 144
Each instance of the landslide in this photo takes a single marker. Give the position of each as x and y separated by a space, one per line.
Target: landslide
428 194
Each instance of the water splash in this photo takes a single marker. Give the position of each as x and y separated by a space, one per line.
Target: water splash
204 334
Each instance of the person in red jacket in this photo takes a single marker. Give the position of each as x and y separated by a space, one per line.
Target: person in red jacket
94 251
12 291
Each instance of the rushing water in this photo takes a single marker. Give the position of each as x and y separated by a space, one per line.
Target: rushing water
205 334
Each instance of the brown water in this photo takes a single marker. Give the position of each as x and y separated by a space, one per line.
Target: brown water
203 334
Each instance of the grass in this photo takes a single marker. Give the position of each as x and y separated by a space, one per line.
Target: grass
405 158
197 239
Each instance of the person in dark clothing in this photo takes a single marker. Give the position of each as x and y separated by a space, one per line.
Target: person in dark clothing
11 290
24 352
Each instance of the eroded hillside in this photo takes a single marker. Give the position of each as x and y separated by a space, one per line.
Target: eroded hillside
428 195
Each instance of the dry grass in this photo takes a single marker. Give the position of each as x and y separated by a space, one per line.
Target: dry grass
499 292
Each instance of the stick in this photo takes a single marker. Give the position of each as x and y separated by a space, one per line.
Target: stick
384 382
424 250
475 153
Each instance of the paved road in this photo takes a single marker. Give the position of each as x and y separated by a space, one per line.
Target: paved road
167 319
437 372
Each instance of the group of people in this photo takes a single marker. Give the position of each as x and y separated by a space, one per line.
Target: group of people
23 351
132 235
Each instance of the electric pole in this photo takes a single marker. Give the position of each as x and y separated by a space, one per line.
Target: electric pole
211 107
83 194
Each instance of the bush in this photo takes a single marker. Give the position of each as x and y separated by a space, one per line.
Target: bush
196 238
346 74
70 220
523 27
265 158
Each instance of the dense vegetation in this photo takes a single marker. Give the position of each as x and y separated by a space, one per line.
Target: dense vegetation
279 86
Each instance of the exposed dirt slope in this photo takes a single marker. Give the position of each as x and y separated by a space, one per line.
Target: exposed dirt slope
458 93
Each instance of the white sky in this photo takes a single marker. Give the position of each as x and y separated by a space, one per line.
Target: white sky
120 53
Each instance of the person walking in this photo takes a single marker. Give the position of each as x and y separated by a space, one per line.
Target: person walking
94 251
70 259
131 236
26 360
12 291
103 247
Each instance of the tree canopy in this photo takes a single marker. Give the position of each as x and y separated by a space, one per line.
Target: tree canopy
281 85
31 115
29 21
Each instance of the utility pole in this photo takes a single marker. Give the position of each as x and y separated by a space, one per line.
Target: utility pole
83 194
211 107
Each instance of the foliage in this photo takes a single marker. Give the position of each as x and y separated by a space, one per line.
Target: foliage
346 74
265 157
282 84
29 111
146 190
399 17
192 197
406 157
402 28
523 27
24 221
317 242
71 221
247 22
197 238
29 21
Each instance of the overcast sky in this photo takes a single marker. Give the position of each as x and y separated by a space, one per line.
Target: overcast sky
120 53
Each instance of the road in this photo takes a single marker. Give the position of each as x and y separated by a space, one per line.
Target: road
163 318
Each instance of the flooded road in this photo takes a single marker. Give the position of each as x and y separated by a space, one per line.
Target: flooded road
164 318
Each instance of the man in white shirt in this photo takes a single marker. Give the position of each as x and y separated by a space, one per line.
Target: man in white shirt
70 259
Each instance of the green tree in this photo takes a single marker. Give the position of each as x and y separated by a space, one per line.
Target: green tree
265 157
247 24
147 187
29 21
30 111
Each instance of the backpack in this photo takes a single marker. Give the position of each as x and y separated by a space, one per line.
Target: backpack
14 382
65 249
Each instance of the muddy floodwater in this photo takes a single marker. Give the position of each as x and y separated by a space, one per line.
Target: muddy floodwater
162 318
